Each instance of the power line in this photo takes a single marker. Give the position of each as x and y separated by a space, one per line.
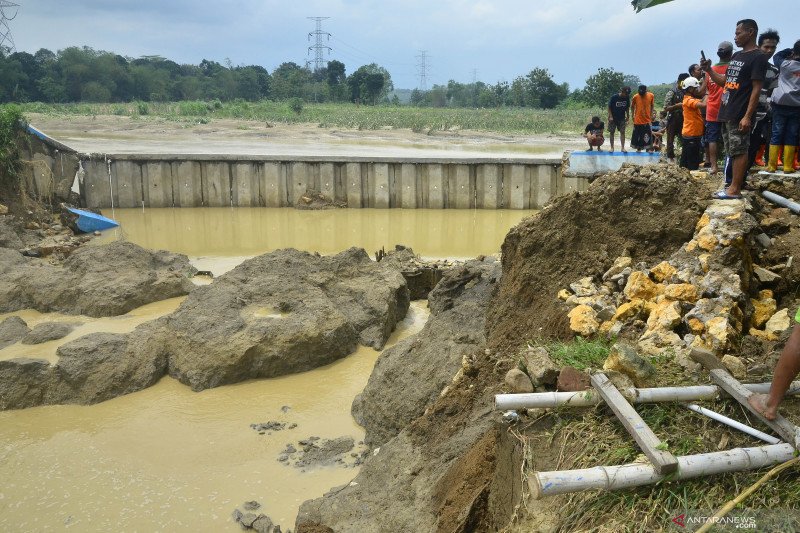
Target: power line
318 46
422 69
5 29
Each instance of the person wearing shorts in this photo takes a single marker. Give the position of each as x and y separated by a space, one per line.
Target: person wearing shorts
618 113
742 84
594 133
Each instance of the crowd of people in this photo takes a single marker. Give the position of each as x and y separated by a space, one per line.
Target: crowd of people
750 105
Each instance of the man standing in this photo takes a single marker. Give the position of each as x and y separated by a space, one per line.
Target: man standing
642 105
768 43
713 126
618 113
742 84
692 133
673 107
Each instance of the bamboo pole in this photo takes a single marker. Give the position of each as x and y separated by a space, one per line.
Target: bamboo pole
637 474
503 402
735 424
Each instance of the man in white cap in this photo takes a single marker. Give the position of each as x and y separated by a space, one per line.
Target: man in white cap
693 123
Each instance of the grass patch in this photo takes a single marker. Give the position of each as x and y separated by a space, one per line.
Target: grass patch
580 353
503 120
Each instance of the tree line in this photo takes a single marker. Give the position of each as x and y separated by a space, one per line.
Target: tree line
82 74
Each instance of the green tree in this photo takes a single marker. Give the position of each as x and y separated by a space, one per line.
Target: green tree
370 84
600 86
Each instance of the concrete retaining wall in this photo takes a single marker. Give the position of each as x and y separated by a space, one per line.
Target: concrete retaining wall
195 181
48 167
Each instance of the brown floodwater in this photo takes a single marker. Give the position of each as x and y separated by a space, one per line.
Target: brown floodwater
217 239
169 459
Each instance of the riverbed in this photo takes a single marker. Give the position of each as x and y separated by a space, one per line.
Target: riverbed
169 459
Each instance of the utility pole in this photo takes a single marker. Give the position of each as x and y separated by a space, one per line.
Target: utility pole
318 46
474 76
6 40
422 69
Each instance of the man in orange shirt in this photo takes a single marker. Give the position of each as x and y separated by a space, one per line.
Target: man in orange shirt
642 105
693 124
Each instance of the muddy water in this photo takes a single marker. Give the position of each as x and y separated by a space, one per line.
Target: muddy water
84 325
168 459
219 238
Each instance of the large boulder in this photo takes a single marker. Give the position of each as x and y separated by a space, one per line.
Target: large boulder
97 281
408 377
49 331
12 329
283 312
90 369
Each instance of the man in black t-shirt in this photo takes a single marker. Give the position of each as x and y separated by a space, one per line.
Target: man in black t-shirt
594 133
618 112
742 84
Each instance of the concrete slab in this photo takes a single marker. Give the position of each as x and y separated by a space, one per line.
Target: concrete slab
188 184
96 189
379 185
520 187
436 186
407 183
353 180
587 163
216 184
244 181
488 186
461 191
157 184
272 185
327 180
126 178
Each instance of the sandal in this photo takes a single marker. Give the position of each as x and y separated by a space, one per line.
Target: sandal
722 195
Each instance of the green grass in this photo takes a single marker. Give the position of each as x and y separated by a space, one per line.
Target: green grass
580 353
505 120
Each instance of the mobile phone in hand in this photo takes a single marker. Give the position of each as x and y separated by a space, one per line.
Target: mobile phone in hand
702 55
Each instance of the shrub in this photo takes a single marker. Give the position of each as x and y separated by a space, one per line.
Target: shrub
296 105
11 122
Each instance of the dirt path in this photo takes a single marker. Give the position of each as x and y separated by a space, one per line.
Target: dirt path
115 134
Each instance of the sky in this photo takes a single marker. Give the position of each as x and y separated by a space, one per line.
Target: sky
489 41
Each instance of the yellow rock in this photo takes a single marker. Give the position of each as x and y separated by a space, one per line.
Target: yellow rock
762 311
583 320
701 341
666 316
735 366
703 222
764 335
629 310
684 292
718 330
706 240
766 293
640 286
606 326
696 326
564 294
663 271
691 245
703 258
735 216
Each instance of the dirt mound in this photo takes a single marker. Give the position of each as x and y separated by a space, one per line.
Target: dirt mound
647 211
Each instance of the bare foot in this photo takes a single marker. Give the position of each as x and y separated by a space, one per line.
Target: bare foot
759 403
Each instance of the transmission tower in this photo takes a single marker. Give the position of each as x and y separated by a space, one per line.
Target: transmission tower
6 40
318 46
474 76
422 69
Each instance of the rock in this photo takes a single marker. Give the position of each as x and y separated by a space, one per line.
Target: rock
621 381
779 322
763 309
580 300
97 281
656 342
583 287
3 209
764 275
281 313
564 294
663 271
628 311
395 395
252 506
325 452
763 240
572 380
24 383
583 320
719 332
620 264
10 236
247 520
263 524
49 331
540 366
666 315
623 358
12 329
684 292
518 381
640 286
735 366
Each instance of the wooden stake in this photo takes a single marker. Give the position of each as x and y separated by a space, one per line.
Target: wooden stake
663 461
